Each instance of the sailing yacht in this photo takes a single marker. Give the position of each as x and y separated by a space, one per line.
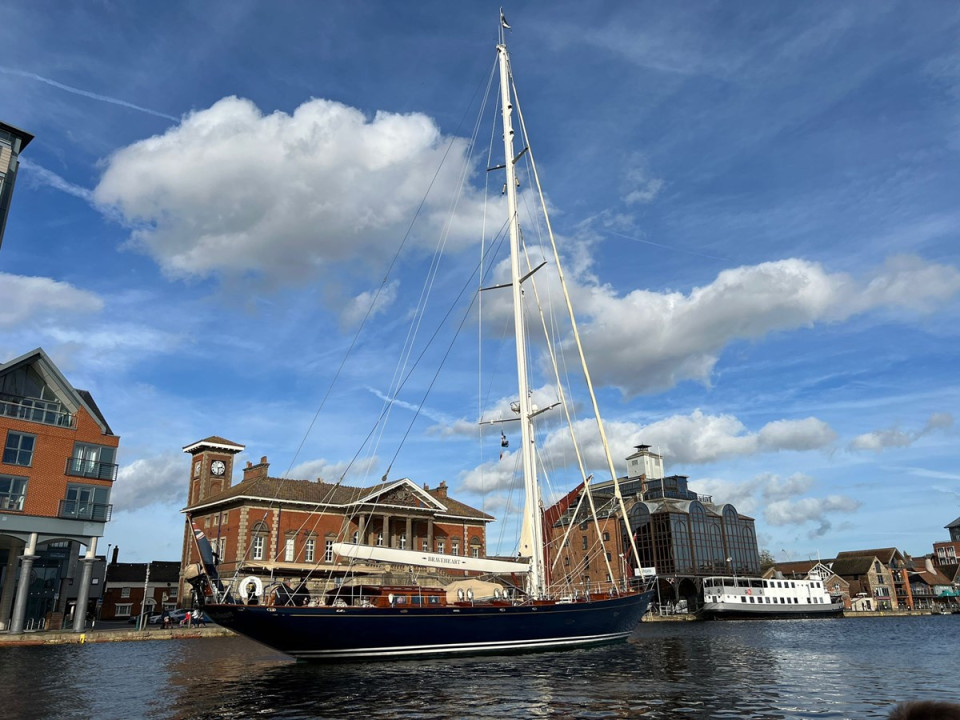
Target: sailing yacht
369 620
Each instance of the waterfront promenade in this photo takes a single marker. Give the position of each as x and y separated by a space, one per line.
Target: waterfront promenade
105 632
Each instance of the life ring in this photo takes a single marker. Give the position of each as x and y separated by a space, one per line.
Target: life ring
257 587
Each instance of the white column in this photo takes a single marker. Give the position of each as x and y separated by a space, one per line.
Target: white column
23 585
83 592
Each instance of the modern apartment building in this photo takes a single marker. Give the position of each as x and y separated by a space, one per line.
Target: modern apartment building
56 474
12 143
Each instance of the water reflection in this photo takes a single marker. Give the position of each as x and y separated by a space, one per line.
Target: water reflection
813 669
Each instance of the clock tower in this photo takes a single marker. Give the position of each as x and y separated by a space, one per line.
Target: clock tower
211 468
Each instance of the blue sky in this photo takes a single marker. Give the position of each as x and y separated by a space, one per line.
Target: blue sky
758 203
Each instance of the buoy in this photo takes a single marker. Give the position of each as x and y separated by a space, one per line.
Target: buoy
245 585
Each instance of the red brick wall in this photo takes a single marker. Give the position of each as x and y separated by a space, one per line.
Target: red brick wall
48 480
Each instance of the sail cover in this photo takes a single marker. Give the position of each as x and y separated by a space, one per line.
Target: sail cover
428 559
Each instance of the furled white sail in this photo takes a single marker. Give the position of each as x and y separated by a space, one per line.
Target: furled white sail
427 559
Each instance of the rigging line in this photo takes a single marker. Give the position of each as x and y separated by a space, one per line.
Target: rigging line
383 283
483 237
576 336
564 404
419 358
434 269
446 354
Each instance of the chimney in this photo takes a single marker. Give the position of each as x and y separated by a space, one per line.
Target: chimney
442 489
116 552
256 472
426 487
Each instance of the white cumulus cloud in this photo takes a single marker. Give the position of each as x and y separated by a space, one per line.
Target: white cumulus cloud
233 190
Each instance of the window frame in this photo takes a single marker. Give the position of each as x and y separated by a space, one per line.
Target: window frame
12 455
21 494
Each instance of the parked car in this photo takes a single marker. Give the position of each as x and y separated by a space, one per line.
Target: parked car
152 618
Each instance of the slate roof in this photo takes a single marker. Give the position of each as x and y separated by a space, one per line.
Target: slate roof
884 555
955 523
160 571
88 399
273 489
854 565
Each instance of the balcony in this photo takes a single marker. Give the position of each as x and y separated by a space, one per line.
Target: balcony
80 467
39 411
82 510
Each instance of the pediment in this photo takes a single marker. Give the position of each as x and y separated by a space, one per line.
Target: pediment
402 493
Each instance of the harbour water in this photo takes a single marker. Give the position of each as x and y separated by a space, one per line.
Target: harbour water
844 668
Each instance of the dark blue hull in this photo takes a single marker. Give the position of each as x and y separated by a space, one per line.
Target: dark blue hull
331 633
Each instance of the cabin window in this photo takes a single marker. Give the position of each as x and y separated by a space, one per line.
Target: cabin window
328 551
743 598
288 550
310 549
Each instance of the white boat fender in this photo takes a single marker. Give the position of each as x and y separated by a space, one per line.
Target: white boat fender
497 594
460 594
470 594
245 587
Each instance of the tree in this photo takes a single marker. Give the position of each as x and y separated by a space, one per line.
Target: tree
767 560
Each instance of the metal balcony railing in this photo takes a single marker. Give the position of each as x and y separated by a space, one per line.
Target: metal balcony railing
82 510
34 410
79 467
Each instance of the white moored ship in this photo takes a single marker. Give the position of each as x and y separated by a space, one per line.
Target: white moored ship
743 598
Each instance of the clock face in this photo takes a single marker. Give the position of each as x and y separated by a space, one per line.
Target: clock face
217 467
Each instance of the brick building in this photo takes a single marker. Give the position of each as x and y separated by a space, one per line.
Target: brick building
685 536
127 584
274 527
57 471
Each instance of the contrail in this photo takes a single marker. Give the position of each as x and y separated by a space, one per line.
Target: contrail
46 177
84 93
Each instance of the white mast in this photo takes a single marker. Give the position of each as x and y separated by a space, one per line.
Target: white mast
532 517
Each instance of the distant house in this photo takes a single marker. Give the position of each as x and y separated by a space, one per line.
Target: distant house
124 591
947 553
899 582
57 471
929 586
870 583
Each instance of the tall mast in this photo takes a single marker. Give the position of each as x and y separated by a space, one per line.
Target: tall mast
533 523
